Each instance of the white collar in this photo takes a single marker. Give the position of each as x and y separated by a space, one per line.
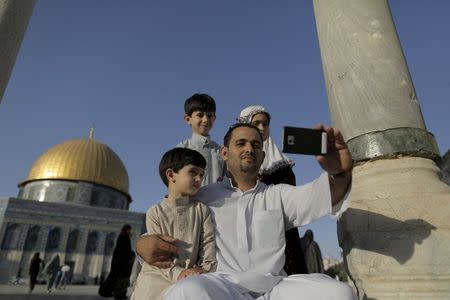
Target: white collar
198 138
227 182
178 201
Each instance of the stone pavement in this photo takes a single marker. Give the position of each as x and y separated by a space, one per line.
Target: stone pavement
72 292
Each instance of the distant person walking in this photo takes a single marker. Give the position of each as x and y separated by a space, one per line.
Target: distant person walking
35 267
118 280
51 270
63 276
18 277
311 250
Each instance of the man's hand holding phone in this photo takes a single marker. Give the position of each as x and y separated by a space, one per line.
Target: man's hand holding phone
337 159
326 143
304 141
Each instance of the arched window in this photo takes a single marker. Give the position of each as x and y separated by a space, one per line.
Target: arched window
112 203
109 243
32 238
34 193
11 238
95 201
92 242
72 241
54 237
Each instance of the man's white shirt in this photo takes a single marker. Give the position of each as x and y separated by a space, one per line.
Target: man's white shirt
250 226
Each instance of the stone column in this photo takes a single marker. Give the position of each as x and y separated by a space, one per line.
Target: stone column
395 235
97 263
21 245
81 252
63 243
14 16
23 236
45 230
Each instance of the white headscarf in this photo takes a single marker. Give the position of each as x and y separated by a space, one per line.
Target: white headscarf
274 159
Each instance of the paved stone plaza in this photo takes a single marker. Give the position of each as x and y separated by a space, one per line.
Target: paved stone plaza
72 292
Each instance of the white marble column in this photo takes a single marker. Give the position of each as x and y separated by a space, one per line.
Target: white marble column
81 252
14 16
97 261
63 243
396 234
45 230
23 236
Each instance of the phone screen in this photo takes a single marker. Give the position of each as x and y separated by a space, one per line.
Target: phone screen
304 141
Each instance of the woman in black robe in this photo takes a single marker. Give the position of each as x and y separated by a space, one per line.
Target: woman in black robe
118 280
313 256
35 267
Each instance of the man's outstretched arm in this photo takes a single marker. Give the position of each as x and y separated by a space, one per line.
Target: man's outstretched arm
157 250
337 163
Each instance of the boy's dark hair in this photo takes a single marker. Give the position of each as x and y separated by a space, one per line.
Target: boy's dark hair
177 158
199 102
227 137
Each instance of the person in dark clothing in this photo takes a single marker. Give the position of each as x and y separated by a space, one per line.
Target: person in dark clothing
18 276
276 168
313 256
51 270
35 266
118 280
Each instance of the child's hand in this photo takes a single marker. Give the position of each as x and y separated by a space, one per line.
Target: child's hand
191 271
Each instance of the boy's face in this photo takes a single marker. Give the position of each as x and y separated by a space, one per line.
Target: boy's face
186 182
201 121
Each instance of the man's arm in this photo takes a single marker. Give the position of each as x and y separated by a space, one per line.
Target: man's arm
157 250
337 163
339 185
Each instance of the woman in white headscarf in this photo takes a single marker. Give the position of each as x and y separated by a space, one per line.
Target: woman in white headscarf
276 168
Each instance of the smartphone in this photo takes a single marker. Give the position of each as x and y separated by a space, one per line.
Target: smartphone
304 141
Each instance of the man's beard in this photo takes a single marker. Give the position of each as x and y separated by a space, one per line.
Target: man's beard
252 169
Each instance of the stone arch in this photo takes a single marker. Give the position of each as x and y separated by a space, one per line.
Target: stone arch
109 243
92 242
54 238
32 238
72 241
11 237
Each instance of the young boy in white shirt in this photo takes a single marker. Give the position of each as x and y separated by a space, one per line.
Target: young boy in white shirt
200 114
181 170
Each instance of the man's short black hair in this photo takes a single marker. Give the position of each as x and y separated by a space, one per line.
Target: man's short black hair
199 102
227 137
177 158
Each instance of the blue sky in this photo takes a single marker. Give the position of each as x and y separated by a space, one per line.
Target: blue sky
129 66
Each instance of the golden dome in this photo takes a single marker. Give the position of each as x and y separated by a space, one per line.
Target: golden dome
84 160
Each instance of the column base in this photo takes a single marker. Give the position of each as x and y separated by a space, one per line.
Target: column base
396 234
